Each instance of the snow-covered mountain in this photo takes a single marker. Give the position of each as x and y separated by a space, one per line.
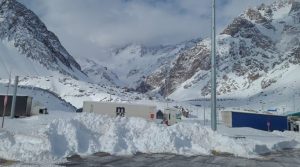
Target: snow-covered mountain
255 51
47 71
134 62
27 48
98 73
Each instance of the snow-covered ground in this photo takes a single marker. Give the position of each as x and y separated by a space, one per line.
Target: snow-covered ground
281 95
53 137
71 90
62 133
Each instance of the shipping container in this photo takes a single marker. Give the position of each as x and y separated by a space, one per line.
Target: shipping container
23 105
267 122
120 109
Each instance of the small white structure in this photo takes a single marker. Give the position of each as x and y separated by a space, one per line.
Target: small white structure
173 115
36 107
120 109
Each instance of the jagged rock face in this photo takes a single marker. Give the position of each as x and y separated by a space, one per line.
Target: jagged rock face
237 25
30 36
99 74
295 6
178 71
250 49
187 64
156 79
295 55
133 63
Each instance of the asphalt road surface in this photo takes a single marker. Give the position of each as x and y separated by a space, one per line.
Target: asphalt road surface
286 158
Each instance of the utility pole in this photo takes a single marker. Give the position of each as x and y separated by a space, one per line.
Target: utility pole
213 69
204 110
167 87
204 117
294 103
294 98
13 106
6 100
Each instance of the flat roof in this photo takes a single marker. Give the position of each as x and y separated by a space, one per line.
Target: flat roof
126 103
293 114
17 95
249 112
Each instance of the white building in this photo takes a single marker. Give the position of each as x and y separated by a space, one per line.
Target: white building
120 109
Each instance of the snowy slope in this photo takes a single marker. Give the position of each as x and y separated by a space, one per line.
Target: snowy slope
41 97
12 61
134 62
46 69
28 48
99 74
76 91
258 52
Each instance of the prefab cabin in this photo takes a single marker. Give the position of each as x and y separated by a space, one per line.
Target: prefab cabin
172 115
267 122
120 109
294 121
23 105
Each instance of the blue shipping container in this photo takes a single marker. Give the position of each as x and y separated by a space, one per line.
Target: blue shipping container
259 121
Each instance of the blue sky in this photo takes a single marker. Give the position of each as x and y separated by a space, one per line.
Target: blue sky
86 27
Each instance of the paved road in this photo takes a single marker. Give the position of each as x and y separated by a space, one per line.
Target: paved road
287 158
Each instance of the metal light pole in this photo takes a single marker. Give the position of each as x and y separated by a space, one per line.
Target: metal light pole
6 100
294 100
294 103
213 69
204 105
13 105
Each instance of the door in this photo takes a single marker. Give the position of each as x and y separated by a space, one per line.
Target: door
120 111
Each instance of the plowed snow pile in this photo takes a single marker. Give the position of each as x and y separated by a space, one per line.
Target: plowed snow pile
89 133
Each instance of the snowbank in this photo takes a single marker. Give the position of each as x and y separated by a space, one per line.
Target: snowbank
89 133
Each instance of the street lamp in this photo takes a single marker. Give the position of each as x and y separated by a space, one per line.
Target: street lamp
213 69
294 97
204 105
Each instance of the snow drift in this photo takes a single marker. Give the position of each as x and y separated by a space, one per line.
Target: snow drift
89 133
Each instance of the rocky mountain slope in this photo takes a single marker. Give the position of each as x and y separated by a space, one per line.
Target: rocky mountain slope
128 66
47 71
98 73
254 51
28 48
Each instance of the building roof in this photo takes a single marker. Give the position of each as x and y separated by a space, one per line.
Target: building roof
250 112
293 114
17 95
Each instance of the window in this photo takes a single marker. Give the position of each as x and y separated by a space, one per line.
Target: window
120 111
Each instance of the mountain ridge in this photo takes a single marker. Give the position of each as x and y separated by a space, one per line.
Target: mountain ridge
27 34
257 44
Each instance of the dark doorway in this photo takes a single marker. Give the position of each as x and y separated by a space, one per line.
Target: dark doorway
120 111
159 115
